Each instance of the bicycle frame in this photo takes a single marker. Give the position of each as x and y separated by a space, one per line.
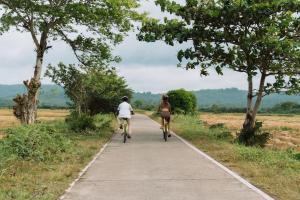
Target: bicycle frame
124 123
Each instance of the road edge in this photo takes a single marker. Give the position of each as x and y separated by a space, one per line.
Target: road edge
227 170
84 170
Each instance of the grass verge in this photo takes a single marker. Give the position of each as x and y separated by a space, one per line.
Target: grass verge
277 172
40 161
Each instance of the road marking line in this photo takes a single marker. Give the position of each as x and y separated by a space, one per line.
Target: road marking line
82 172
235 175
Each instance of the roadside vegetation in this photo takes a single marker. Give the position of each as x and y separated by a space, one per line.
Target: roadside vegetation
40 161
183 102
275 171
284 129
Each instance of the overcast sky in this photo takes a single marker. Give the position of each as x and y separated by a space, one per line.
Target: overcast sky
146 66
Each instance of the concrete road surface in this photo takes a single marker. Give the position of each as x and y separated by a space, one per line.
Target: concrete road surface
147 168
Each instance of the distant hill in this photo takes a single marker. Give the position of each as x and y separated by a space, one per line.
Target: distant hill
231 98
50 95
235 98
53 96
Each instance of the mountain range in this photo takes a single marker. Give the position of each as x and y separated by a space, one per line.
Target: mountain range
50 95
53 96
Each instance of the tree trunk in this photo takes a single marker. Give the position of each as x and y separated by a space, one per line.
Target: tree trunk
251 113
25 108
249 119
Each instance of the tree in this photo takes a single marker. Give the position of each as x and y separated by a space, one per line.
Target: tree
89 27
72 80
286 107
138 104
105 90
258 38
93 89
182 101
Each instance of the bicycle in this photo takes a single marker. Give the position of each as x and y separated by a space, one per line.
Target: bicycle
166 130
124 123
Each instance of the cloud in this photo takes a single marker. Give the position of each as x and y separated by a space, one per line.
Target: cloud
146 66
134 52
160 79
17 57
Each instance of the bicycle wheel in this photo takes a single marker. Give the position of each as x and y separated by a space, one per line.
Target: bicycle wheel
165 132
125 133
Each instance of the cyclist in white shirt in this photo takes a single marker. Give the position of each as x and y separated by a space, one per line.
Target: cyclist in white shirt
125 111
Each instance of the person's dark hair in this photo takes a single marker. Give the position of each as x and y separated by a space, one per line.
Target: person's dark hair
165 101
125 98
165 98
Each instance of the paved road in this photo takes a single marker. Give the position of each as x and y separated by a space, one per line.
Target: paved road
147 168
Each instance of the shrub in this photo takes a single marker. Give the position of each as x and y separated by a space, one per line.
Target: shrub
85 123
79 123
37 142
102 121
218 125
183 101
253 137
220 132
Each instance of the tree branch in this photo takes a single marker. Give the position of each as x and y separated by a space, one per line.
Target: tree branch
70 42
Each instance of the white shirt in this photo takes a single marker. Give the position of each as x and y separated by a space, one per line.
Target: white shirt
125 110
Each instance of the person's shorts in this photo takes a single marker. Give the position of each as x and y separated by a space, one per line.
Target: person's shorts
166 115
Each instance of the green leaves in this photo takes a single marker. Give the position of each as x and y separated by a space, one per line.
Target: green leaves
182 101
252 37
92 89
91 28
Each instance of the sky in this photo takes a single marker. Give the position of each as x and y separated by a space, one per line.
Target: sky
146 66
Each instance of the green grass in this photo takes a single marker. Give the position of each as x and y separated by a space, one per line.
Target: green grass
275 171
40 161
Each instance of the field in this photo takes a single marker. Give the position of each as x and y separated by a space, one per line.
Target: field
7 118
285 129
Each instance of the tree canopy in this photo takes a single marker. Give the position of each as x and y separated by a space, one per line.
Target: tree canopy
257 37
247 36
93 90
89 27
182 101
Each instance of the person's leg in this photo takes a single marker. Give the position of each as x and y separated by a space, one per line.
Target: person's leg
169 122
119 122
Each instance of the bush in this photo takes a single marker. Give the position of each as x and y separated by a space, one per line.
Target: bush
218 125
220 132
254 137
79 123
39 142
182 101
84 123
102 121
